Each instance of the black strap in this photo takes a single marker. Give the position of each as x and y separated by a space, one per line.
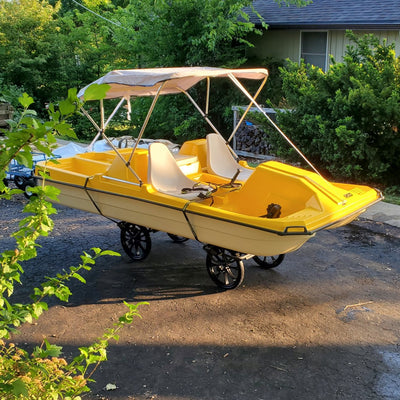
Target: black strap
197 188
188 221
93 202
193 189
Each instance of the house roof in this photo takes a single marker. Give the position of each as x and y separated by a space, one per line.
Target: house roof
330 14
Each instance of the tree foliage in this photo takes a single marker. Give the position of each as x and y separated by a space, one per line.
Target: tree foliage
49 45
185 32
29 50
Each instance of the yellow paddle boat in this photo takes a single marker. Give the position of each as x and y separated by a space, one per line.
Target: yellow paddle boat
202 191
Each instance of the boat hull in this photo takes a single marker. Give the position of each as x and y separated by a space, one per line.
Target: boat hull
207 229
232 217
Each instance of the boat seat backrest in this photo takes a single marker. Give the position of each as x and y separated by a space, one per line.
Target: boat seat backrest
165 175
220 160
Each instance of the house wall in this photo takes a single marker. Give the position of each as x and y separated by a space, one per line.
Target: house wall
285 43
338 41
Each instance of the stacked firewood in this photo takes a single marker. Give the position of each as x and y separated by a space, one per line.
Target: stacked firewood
6 112
251 139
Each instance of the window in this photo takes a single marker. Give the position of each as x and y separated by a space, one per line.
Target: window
313 48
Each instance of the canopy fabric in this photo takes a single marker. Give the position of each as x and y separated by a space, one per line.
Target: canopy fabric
147 81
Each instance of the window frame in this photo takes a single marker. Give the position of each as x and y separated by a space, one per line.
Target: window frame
319 54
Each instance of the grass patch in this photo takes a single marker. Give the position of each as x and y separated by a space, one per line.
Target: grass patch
392 195
392 199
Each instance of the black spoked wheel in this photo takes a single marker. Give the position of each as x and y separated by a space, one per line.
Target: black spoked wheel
25 187
268 262
20 182
135 240
176 238
5 182
225 268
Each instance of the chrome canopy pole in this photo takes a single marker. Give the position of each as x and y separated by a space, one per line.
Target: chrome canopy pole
241 87
208 95
102 114
99 130
209 122
118 106
203 114
247 110
146 120
127 163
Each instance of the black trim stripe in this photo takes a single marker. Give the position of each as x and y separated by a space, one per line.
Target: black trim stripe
279 233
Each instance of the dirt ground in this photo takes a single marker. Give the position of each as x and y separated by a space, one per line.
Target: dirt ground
325 324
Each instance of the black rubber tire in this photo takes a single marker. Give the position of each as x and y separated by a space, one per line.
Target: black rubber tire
135 241
224 267
268 262
20 182
177 239
28 183
5 182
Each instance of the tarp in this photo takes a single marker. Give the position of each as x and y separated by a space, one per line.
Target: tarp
69 150
146 82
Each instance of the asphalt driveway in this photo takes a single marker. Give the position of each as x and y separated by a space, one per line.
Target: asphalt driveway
323 325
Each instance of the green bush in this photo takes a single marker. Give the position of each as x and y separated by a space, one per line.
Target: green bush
346 120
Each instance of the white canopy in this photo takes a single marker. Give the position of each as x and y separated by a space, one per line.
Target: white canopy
146 82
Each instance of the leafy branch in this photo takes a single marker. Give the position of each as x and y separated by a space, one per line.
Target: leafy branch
42 375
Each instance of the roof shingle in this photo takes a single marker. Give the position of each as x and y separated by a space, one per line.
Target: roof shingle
339 14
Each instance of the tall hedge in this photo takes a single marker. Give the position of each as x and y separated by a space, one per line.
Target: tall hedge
347 119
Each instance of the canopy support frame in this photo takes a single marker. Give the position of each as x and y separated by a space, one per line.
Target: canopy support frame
146 121
248 95
247 109
101 132
205 116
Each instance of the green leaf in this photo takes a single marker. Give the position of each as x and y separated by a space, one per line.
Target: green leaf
19 388
79 277
65 130
4 333
51 350
110 253
72 92
24 158
11 122
96 92
51 192
66 107
29 318
25 100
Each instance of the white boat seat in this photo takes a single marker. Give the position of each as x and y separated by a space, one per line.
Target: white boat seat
220 160
166 176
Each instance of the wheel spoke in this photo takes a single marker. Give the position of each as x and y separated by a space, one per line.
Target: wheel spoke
268 262
135 241
224 268
226 278
229 271
140 246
